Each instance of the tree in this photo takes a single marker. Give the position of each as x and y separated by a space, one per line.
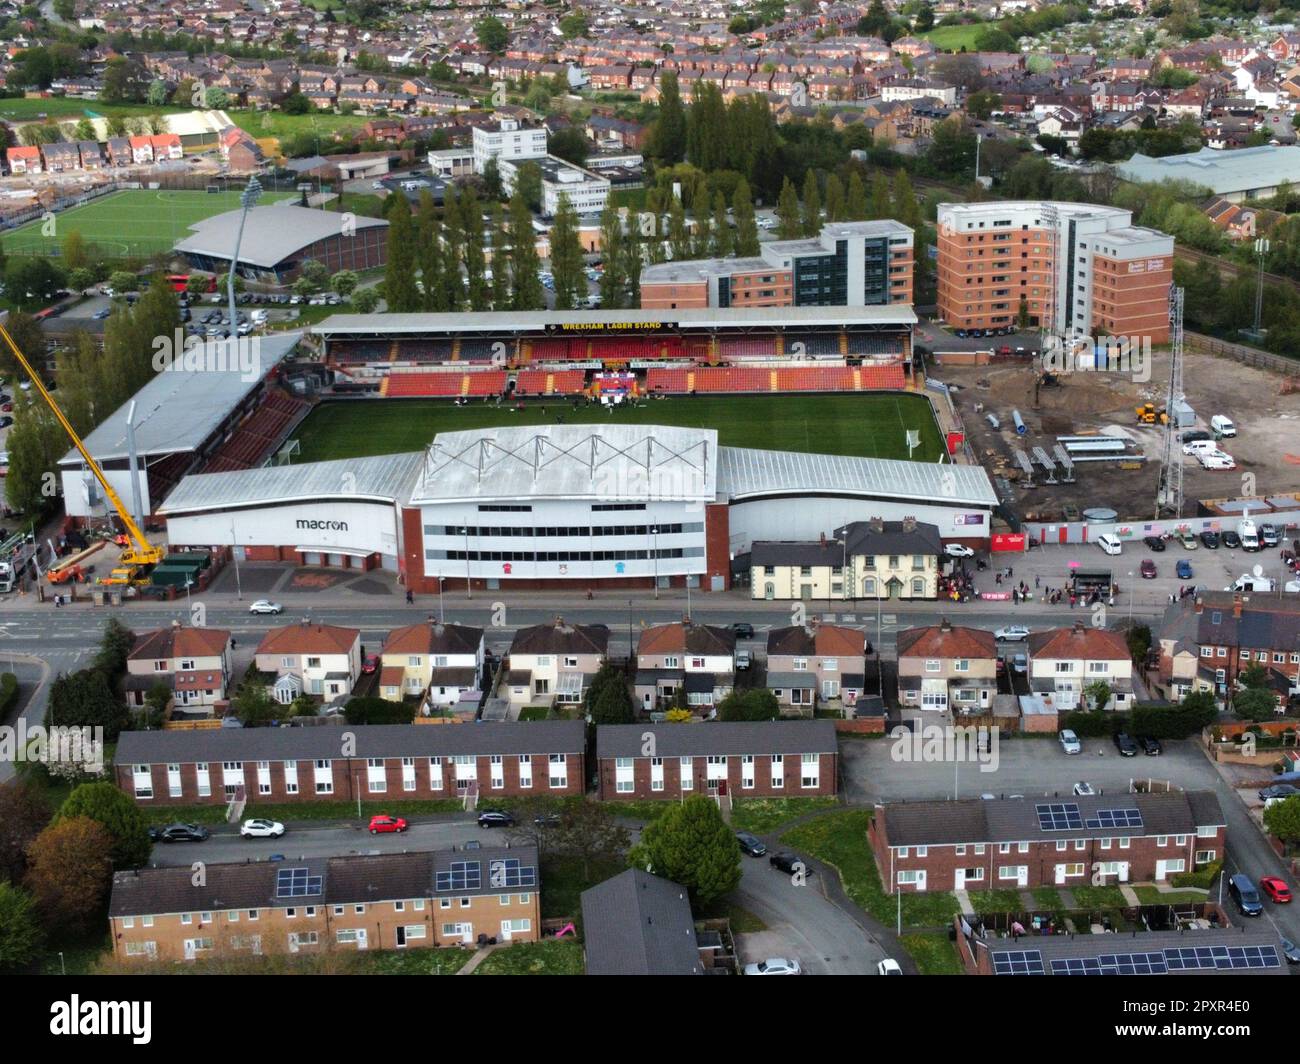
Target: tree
400 290
365 300
125 81
812 205
69 871
566 257
471 231
1253 677
721 243
855 201
105 804
374 710
24 811
492 34
589 833
1097 694
569 144
691 845
344 283
790 224
83 699
982 104
492 179
528 183
525 267
834 199
758 703
32 282
611 284
678 237
500 294
742 209
1254 703
879 205
669 139
1282 819
574 25
74 250
114 648
607 700
924 19
21 936
34 442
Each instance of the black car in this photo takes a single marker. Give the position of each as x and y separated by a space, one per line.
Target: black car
1231 540
1291 951
1150 747
788 862
1245 895
495 820
1125 745
1278 790
1197 434
743 630
750 844
1154 543
1210 539
6 421
179 833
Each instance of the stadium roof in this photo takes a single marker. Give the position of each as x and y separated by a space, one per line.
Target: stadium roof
271 235
603 462
1222 172
386 478
744 473
180 408
506 321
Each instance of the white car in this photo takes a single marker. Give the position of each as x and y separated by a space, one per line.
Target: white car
1070 742
888 966
265 606
1083 789
261 829
1012 633
774 966
958 550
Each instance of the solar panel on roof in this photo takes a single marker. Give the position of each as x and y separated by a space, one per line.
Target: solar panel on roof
508 872
1201 958
1115 818
1018 962
1058 816
297 883
462 875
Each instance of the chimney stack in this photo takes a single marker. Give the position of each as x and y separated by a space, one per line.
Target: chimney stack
909 523
945 625
877 524
1236 606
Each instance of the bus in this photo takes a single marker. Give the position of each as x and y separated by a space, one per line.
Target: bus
180 282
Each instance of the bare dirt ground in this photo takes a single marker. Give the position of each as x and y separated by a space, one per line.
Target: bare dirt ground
1084 402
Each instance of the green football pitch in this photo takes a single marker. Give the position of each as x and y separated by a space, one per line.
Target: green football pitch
873 425
128 223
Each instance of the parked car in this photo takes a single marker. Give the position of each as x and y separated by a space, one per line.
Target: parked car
1150 745
743 630
1290 951
958 550
1154 543
6 421
371 664
1269 535
1070 742
1183 569
265 606
1245 896
258 828
1275 889
1084 789
750 844
1147 569
789 863
1210 539
774 966
888 966
1020 663
1231 540
1189 541
1278 790
492 819
384 824
743 660
1125 745
179 833
1012 633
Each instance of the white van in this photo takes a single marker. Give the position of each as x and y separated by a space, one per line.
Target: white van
1223 425
1248 533
1199 446
1216 460
1110 543
1248 582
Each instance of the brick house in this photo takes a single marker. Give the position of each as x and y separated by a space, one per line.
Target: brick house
313 905
996 844
193 662
554 662
61 157
745 759
1064 661
822 661
639 924
166 146
309 764
313 659
699 657
119 151
24 160
432 662
944 667
141 149
92 154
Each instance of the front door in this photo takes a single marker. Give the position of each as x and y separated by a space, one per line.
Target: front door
769 591
361 938
401 937
189 949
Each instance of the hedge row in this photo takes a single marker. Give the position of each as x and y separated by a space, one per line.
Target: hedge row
1157 721
8 693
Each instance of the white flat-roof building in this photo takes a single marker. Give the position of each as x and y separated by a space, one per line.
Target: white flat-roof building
1236 175
585 191
507 139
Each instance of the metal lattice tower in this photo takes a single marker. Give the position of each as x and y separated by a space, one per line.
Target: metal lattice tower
1169 495
1051 220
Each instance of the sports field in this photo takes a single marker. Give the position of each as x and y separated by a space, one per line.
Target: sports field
130 222
872 426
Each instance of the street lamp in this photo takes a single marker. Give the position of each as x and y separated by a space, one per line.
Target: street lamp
234 553
247 199
441 615
654 532
469 590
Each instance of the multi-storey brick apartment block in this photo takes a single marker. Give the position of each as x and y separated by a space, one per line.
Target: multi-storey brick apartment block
313 659
339 763
435 663
194 663
314 905
554 662
848 264
1082 270
1064 661
991 844
698 657
744 759
946 666
1206 641
823 661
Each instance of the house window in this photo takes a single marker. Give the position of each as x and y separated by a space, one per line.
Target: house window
931 664
778 771
686 767
324 777
623 783
810 770
559 771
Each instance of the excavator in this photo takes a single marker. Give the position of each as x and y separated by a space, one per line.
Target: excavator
139 556
1150 414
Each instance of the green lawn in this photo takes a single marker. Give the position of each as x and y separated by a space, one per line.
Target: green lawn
133 222
1152 896
554 957
446 961
61 108
278 124
563 881
860 425
952 38
764 815
289 812
933 953
1095 898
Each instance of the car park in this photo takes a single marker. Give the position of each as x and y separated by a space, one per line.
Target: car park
1275 889
751 845
492 819
1154 543
1245 896
1125 745
179 833
1011 633
383 824
265 606
1070 742
774 966
258 828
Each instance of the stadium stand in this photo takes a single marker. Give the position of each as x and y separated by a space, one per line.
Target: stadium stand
425 351
485 382
405 385
740 348
881 378
352 352
259 434
475 350
814 379
875 345
821 343
550 382
669 380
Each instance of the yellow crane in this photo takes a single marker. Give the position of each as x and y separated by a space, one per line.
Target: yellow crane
138 552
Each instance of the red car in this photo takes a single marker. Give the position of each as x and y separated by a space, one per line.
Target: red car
386 823
1148 569
1276 889
370 664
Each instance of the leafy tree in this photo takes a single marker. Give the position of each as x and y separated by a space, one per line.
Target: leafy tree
528 184
1282 819
471 229
1254 676
379 711
114 648
1254 703
253 704
21 935
691 845
84 699
812 205
491 34
855 202
569 144
1097 694
344 283
125 81
69 871
574 25
566 257
365 300
758 703
589 833
834 199
24 811
790 224
105 804
607 700
400 291
32 282
982 104
742 208
720 245
879 206
525 267
500 294
669 138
